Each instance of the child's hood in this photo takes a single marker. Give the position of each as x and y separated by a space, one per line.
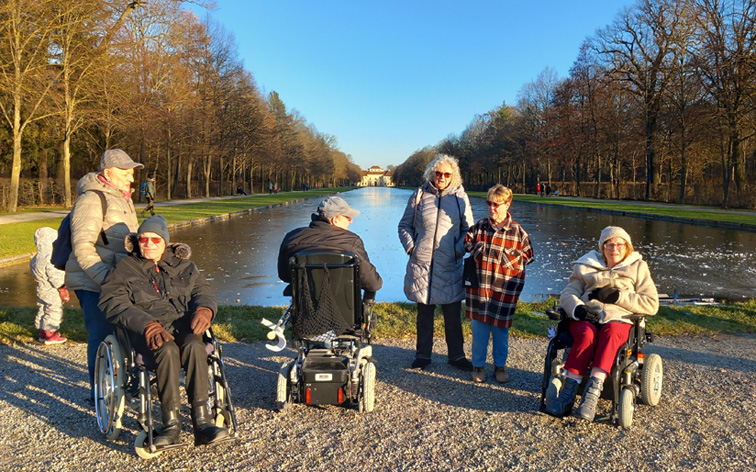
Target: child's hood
44 238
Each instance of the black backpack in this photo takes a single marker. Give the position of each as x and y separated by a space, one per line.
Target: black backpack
62 247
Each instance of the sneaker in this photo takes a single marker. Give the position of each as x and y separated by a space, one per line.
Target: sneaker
501 374
51 337
479 374
420 363
462 364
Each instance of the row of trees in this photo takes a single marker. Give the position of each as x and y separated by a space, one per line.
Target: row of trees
81 76
659 105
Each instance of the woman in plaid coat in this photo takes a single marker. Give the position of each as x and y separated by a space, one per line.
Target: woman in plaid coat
501 250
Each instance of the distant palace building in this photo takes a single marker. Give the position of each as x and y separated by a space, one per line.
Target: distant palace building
376 177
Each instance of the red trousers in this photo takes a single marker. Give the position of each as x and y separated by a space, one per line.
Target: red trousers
595 344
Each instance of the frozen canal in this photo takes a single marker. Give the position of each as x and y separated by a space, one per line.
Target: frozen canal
239 255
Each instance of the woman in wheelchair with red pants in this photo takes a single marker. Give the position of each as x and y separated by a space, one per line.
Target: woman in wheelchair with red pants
165 304
605 287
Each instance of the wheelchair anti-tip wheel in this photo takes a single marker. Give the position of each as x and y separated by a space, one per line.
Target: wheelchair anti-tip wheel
283 391
109 387
651 380
626 407
143 450
367 399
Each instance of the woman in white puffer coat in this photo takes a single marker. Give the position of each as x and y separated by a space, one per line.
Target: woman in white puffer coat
606 286
432 232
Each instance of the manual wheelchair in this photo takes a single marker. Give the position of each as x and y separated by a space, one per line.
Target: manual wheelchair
331 327
124 377
633 374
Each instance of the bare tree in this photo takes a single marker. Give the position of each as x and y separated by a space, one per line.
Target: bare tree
641 47
27 73
725 64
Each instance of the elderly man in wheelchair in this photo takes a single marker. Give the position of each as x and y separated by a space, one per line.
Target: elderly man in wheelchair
607 290
164 304
327 268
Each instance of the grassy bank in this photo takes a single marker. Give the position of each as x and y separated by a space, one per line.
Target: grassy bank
397 320
740 217
18 238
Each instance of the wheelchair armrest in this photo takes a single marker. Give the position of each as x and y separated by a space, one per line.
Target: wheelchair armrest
556 314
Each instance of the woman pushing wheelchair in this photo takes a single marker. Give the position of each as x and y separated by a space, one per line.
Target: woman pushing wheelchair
165 304
605 287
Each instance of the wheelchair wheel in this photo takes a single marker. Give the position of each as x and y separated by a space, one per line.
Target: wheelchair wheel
626 407
651 380
141 449
552 391
283 392
109 382
367 400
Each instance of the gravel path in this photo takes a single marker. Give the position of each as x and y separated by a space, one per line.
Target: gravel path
430 421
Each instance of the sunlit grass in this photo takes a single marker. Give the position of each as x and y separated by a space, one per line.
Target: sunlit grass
397 321
18 238
665 210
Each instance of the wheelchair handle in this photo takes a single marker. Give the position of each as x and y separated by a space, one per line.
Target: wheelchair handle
277 331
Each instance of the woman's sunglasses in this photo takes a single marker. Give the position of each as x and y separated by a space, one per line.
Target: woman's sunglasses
493 204
155 240
446 175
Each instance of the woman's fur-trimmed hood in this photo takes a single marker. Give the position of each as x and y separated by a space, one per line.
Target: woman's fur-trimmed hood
180 250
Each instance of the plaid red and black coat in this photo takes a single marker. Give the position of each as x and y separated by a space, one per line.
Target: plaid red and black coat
500 258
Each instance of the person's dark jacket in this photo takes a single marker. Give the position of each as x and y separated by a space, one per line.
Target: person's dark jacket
322 235
134 293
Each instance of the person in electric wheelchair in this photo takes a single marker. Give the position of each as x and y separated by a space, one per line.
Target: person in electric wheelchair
327 269
607 289
165 304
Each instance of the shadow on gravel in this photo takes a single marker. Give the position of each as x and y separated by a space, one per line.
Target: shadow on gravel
253 373
709 356
445 384
53 391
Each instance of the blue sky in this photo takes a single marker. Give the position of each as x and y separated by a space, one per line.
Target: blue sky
387 78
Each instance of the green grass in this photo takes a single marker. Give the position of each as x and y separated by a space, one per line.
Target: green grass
397 321
18 238
665 210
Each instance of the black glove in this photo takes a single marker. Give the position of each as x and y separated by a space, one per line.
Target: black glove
605 294
584 313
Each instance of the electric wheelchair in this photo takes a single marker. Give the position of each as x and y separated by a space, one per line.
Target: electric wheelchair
633 374
331 327
124 378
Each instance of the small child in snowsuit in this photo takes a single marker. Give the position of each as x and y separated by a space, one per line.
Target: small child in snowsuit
51 289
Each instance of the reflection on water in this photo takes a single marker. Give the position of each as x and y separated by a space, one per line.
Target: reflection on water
239 255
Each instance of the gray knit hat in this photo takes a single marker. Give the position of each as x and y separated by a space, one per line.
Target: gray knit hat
613 232
155 224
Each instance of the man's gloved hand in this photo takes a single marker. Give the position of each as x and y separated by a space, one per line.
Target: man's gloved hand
156 335
201 320
584 313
